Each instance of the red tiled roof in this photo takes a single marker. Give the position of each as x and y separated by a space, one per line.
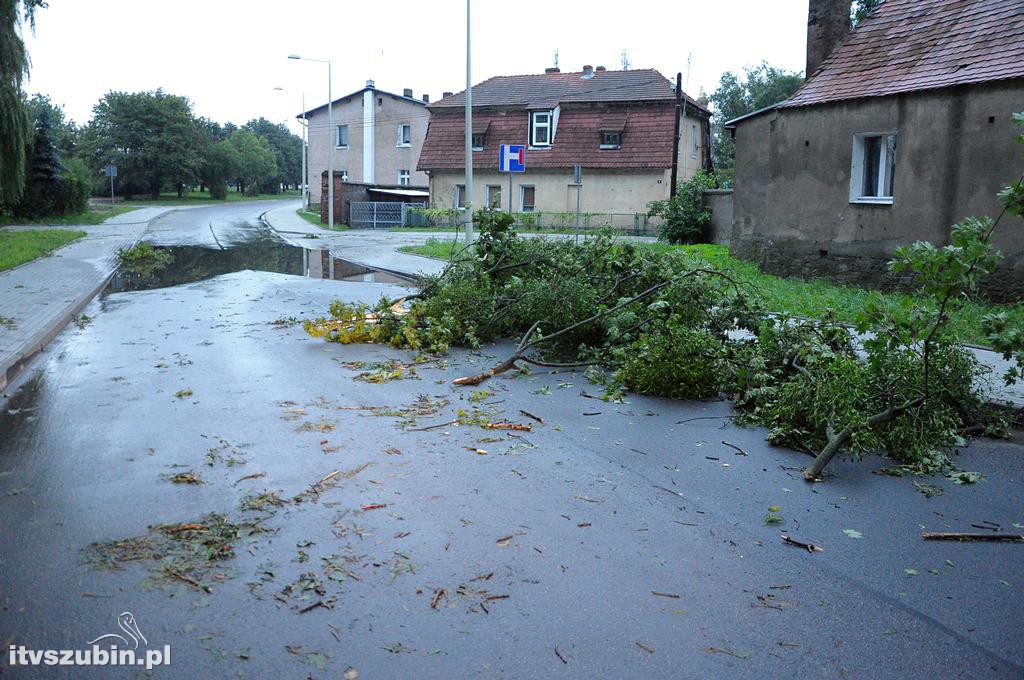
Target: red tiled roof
547 90
911 45
646 138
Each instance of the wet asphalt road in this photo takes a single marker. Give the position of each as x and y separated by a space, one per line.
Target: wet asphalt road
579 522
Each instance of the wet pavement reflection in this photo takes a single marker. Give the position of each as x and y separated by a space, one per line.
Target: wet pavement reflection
192 263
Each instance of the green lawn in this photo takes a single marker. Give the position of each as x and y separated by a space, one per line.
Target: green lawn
94 215
18 247
314 219
201 197
794 296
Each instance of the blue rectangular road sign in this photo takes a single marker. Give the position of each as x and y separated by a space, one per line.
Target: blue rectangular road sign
512 158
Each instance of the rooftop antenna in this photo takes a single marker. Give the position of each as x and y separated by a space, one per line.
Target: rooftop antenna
556 57
689 63
625 61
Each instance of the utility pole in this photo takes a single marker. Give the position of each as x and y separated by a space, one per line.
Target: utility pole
469 136
675 143
332 136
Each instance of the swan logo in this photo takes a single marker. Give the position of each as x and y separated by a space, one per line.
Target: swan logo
127 623
118 650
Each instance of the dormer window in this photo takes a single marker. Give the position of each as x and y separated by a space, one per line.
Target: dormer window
479 134
611 140
611 128
540 128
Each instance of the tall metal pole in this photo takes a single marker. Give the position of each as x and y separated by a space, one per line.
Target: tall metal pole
469 136
331 136
675 142
305 140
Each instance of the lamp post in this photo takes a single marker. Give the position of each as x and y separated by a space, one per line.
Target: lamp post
303 178
330 140
469 138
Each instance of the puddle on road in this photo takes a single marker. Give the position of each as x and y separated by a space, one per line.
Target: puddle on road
190 264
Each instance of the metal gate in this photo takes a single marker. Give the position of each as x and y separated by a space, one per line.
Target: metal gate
379 214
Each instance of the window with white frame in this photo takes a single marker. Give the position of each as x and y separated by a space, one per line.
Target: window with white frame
873 168
341 141
493 196
460 196
693 141
405 135
527 199
540 128
478 141
611 140
404 178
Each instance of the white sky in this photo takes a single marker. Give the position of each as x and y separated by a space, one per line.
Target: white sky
228 55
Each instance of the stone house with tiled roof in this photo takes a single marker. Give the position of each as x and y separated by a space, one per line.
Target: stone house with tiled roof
376 139
618 125
903 130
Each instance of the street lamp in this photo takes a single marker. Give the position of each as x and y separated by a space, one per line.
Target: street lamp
305 140
330 140
469 138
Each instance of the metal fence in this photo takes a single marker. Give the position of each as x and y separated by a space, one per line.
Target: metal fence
636 224
379 214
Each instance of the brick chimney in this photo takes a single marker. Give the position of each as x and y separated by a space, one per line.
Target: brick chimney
445 95
407 92
426 98
600 69
552 69
828 23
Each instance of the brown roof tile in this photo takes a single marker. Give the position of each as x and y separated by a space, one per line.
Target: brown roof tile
646 138
546 90
911 45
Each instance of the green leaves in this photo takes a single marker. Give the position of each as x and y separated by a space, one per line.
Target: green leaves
686 217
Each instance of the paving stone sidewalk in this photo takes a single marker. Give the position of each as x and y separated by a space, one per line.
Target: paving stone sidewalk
42 296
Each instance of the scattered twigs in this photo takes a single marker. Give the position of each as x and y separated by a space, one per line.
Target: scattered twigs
809 547
530 415
969 536
190 581
255 475
673 596
433 427
508 426
739 451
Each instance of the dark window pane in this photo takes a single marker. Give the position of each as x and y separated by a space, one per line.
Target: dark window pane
872 158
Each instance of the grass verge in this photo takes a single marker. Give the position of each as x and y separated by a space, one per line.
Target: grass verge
203 197
91 216
812 298
314 219
19 247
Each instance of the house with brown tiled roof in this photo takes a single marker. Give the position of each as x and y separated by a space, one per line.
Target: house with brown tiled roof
618 125
903 130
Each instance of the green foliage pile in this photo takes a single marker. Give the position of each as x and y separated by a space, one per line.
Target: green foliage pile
142 259
686 218
667 324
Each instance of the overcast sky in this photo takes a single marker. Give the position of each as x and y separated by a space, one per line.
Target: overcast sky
227 56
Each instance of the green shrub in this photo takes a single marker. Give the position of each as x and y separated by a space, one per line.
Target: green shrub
677 362
142 259
686 218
